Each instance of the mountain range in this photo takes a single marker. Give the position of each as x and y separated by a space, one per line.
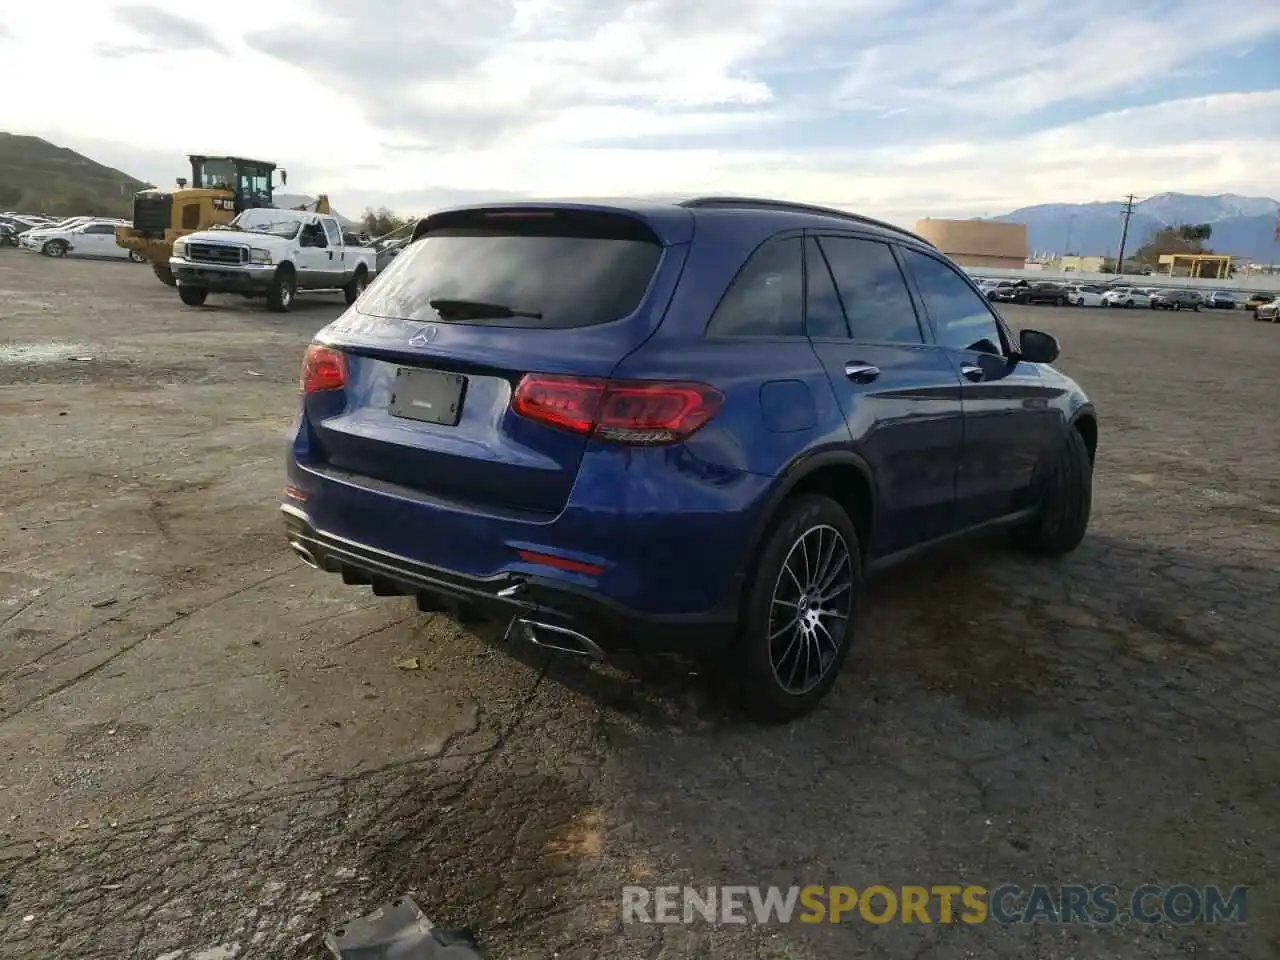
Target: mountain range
1242 226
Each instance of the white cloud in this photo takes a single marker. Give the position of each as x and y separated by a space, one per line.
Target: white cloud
379 103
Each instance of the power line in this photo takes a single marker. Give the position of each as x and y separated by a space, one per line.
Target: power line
1127 212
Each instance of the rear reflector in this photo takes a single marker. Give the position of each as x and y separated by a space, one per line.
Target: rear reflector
633 412
323 368
560 563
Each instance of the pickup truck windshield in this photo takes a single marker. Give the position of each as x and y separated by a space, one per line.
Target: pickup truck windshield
276 228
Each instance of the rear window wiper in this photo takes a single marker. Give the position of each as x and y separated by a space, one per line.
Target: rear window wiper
480 310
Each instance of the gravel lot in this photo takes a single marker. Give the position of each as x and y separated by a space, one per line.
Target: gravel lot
208 750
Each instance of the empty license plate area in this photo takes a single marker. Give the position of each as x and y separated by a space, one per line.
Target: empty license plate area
428 396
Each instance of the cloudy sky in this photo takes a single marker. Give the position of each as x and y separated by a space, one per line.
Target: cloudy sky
900 108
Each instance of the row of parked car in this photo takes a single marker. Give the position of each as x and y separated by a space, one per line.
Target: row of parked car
1115 295
74 236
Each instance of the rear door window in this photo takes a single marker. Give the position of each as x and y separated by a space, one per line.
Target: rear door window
873 290
551 269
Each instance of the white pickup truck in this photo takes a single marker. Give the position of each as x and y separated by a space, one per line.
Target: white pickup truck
273 254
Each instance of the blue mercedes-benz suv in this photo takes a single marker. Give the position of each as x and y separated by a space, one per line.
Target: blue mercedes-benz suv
675 426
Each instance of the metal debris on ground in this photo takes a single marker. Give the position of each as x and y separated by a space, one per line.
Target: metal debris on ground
400 931
411 664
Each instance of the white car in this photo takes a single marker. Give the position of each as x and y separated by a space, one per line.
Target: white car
1128 297
1085 295
87 238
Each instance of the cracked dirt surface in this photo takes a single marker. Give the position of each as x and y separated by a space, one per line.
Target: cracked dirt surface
207 749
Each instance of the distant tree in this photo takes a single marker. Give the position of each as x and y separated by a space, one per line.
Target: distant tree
1195 233
1185 238
380 222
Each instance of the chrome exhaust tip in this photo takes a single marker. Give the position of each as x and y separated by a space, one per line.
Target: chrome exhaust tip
304 554
556 638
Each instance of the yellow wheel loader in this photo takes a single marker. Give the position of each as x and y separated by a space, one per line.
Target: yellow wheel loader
220 188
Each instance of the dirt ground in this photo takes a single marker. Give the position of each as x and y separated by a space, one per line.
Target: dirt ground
208 750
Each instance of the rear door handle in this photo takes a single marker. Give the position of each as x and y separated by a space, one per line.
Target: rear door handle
861 372
971 371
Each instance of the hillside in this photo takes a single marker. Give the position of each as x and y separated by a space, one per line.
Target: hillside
1242 226
36 176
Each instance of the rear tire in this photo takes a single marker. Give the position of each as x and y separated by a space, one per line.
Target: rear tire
136 257
799 611
193 296
351 292
1065 503
283 289
55 248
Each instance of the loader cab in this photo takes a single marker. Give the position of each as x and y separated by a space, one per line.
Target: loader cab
249 180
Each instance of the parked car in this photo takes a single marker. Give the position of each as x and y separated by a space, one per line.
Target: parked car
1128 297
1268 311
1176 300
90 238
17 223
996 287
1038 292
698 439
1221 300
1085 295
1258 299
8 236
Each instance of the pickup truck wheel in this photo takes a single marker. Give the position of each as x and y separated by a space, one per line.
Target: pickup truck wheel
799 611
193 296
1065 502
280 294
55 249
357 286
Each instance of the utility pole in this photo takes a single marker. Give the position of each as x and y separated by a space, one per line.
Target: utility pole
1127 212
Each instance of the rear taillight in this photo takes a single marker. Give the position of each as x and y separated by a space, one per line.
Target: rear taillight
637 412
323 368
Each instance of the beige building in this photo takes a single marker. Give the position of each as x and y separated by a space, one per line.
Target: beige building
978 243
1081 264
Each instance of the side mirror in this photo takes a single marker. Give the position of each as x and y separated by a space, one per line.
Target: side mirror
1037 347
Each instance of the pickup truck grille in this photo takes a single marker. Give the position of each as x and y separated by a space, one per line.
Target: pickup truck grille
217 253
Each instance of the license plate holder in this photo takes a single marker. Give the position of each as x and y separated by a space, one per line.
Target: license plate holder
428 396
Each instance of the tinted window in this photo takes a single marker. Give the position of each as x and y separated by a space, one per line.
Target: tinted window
960 316
766 298
570 280
824 315
872 289
100 228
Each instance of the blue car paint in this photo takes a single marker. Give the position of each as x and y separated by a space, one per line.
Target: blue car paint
665 533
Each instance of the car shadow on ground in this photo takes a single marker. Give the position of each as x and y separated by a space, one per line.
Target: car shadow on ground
979 621
1092 719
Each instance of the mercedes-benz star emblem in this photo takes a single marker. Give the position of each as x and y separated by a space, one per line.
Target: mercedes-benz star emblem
423 336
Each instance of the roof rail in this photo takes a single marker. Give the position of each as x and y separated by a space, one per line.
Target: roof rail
762 204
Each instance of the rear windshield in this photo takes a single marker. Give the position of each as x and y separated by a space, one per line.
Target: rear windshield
569 270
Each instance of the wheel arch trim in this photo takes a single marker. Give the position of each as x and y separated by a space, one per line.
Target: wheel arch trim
803 466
